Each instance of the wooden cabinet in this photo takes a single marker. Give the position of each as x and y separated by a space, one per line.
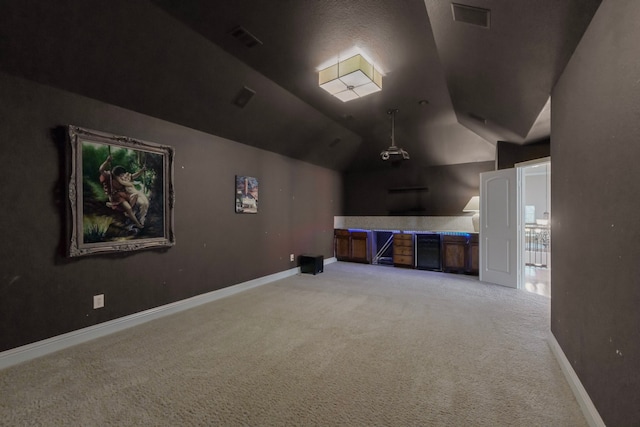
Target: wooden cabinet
360 242
403 250
353 246
342 241
454 248
473 261
460 253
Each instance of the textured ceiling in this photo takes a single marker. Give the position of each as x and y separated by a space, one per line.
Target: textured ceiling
177 60
503 75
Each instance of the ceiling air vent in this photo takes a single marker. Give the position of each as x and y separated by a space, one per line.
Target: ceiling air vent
243 97
471 15
335 142
245 37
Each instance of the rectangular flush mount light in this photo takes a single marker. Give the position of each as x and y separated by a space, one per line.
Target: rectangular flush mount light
352 78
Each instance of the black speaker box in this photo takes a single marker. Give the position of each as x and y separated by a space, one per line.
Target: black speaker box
312 264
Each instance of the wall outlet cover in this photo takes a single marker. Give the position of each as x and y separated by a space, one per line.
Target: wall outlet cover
98 301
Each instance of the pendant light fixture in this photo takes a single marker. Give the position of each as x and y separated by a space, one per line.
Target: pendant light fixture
393 153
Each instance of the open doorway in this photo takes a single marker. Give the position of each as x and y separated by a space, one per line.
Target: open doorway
535 211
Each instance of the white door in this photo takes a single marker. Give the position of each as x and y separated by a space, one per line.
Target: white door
499 228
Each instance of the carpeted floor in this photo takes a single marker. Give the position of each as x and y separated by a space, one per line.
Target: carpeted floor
355 345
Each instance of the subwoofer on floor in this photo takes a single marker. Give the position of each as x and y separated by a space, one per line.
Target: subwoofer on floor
312 264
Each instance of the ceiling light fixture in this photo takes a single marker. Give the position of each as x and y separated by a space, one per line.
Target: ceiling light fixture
352 78
393 152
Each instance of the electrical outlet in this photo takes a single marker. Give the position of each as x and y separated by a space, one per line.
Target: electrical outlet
291 258
98 301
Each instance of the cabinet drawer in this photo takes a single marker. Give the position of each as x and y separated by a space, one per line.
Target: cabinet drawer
454 239
403 240
403 236
359 235
402 250
403 259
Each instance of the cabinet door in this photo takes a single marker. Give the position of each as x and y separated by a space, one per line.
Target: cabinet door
453 253
359 246
473 255
342 245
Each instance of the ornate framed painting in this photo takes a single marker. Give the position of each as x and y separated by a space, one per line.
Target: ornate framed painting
120 192
246 194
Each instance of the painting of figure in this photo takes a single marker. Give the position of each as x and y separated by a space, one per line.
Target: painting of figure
246 194
118 192
122 198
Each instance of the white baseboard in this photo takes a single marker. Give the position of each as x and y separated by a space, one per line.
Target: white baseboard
31 351
588 408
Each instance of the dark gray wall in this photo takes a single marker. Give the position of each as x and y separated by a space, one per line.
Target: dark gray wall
134 55
595 298
508 153
409 189
43 293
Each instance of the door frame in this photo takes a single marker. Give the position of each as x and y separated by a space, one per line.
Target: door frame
520 212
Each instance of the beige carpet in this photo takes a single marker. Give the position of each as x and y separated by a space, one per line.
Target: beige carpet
356 345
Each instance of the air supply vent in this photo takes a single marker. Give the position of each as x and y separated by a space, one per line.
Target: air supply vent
334 142
243 97
245 37
471 15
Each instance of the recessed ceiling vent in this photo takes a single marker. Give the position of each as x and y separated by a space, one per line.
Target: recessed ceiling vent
471 15
243 97
245 37
335 142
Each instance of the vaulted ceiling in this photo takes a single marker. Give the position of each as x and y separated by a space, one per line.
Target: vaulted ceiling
458 87
481 85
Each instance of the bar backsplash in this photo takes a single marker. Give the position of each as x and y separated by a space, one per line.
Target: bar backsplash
406 223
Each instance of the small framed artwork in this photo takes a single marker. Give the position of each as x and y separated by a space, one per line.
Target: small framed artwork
246 194
120 192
